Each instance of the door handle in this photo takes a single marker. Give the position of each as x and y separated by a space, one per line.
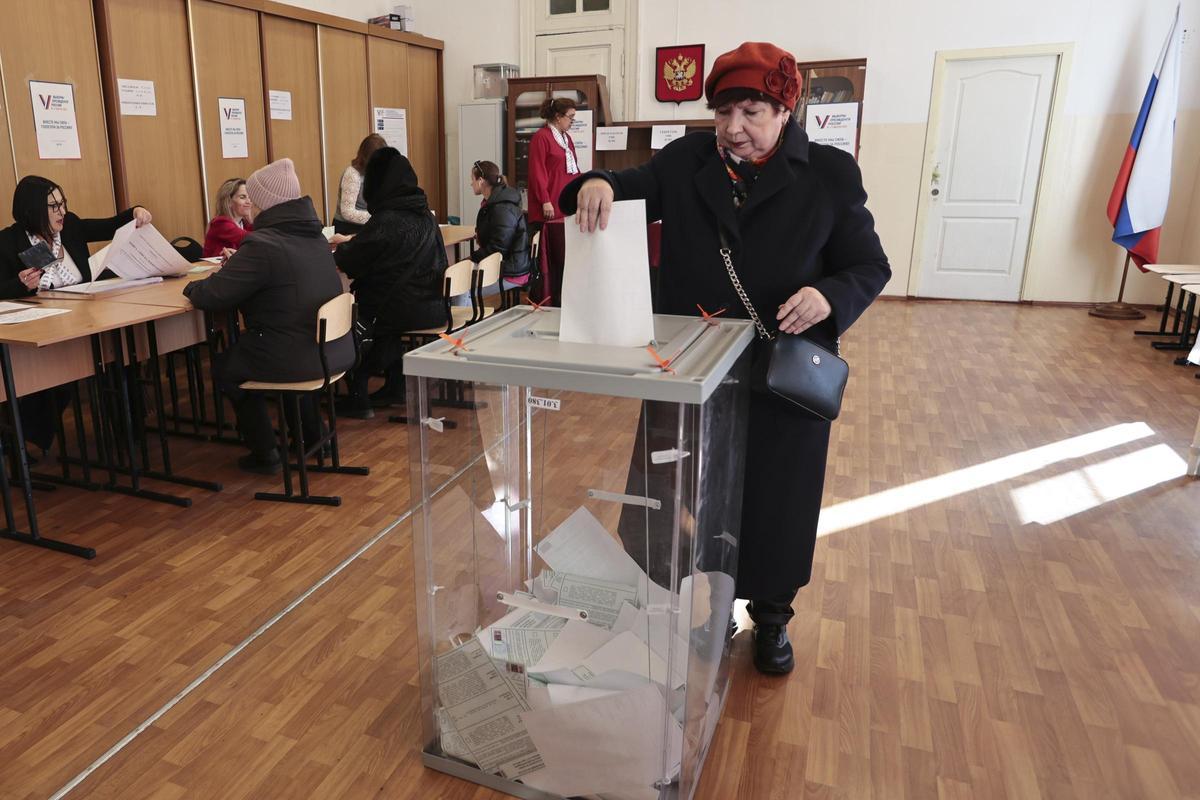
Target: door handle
934 192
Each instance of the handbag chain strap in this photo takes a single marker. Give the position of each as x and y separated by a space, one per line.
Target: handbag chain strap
727 257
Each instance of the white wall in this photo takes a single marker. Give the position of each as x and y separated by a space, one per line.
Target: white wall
1116 43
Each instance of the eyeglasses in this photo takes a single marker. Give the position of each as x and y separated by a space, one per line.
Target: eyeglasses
56 207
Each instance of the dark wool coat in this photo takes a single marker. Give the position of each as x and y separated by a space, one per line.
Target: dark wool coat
500 228
76 235
279 277
397 261
805 223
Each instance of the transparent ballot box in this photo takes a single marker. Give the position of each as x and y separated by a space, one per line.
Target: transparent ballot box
575 540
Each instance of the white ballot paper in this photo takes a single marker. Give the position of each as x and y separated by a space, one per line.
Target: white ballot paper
30 314
609 745
1194 356
576 641
582 546
606 281
521 637
602 600
484 711
139 253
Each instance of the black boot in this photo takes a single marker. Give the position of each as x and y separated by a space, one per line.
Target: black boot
261 463
772 650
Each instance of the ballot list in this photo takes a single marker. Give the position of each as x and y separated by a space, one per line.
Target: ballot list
478 701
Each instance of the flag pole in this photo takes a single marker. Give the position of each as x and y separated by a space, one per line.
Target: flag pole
1119 309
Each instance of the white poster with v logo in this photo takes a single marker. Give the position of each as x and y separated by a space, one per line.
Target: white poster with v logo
833 123
234 141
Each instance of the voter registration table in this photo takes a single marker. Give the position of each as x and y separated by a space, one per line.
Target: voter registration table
100 340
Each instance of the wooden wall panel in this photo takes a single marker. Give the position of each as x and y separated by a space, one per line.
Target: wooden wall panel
389 73
8 176
228 64
290 65
65 53
347 103
156 160
424 125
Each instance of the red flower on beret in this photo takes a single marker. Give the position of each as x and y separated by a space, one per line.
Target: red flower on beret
787 65
775 81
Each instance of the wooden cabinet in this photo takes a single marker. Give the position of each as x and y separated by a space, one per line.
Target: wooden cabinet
831 83
525 96
637 146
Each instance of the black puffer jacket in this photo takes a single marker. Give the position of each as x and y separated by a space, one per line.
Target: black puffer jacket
398 259
278 278
500 228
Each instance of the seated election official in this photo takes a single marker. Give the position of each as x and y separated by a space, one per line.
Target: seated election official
51 239
232 222
47 247
278 278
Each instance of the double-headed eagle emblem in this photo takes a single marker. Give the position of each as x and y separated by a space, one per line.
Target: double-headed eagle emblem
679 72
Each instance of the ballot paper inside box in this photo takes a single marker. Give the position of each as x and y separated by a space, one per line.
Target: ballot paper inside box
575 538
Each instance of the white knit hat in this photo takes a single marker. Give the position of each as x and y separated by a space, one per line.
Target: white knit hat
273 184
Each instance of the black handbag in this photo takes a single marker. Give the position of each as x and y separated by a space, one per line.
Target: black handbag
791 366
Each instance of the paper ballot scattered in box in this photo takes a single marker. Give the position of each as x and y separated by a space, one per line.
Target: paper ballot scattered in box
606 281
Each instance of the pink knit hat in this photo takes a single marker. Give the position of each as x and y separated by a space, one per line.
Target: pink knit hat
273 184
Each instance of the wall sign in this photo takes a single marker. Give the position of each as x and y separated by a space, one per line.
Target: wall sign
54 120
833 123
392 125
232 119
137 98
679 73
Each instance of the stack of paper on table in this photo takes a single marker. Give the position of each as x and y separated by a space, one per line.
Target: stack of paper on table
578 707
139 253
93 289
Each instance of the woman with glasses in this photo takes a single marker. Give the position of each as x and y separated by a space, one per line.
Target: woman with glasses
552 162
47 246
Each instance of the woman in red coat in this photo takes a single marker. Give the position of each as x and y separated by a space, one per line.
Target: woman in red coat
552 163
232 222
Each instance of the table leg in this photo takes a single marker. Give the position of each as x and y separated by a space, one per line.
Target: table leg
10 531
1185 332
1162 325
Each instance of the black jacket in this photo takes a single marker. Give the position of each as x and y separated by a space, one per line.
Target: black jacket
500 228
805 223
76 235
397 261
278 278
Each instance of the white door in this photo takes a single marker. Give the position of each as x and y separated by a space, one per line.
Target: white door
986 164
599 52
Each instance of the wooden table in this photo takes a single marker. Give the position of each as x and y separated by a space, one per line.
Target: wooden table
54 351
455 235
1164 270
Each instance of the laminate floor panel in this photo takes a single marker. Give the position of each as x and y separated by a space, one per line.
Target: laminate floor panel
1004 603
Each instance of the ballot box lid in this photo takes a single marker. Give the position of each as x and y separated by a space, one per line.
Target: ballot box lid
520 347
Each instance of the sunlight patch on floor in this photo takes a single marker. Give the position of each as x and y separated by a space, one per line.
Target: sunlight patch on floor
863 510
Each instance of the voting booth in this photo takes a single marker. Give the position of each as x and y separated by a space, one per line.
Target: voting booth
575 541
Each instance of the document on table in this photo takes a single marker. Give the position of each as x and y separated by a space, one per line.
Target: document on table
606 281
602 600
484 710
610 745
139 253
106 285
521 637
30 314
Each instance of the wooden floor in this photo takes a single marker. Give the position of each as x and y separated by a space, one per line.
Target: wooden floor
1014 610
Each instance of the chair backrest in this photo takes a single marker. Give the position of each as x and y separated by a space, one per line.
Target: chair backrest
534 244
458 278
489 270
188 247
338 316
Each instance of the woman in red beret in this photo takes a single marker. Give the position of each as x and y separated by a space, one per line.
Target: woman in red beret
805 249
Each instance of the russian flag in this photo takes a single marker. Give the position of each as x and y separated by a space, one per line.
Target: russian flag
1138 202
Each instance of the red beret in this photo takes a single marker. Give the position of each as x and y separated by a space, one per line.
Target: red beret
756 65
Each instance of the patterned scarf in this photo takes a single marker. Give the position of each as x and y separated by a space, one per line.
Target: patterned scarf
57 274
564 143
742 174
